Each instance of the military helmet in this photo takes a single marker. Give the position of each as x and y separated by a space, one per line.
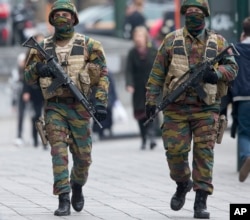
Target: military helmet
202 4
65 5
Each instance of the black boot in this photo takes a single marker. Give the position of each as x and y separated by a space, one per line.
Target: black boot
178 199
77 199
200 205
64 205
152 145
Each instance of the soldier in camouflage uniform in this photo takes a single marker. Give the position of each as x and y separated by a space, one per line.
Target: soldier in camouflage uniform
67 123
190 119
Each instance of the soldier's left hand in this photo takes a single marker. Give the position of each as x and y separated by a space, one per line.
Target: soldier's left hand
211 77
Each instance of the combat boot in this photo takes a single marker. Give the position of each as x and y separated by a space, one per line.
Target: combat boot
64 205
200 205
178 199
77 199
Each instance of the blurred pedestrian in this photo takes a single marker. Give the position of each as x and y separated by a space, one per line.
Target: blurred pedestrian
226 101
190 119
241 101
23 17
18 100
162 27
67 122
106 130
33 94
133 17
29 98
139 63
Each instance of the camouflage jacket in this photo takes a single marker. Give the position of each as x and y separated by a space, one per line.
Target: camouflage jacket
227 69
96 55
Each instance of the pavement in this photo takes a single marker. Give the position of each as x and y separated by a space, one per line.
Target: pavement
124 182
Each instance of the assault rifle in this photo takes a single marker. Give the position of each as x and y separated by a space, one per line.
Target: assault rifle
62 78
195 76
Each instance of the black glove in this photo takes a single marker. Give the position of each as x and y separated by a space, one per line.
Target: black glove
43 70
150 110
101 113
210 77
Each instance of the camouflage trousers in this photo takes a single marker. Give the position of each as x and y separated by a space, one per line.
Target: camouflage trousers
191 121
68 129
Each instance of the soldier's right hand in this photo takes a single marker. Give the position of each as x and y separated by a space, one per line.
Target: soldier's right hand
43 70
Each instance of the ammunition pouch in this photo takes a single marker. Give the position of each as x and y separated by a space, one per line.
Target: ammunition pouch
214 91
211 91
88 78
84 80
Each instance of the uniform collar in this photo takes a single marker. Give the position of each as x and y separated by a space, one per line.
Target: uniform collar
200 37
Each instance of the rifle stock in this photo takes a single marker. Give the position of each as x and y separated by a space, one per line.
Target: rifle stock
62 78
194 79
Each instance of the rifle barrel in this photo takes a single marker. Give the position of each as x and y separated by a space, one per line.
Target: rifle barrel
193 79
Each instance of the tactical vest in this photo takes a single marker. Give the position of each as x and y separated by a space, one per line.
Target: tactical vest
180 65
72 57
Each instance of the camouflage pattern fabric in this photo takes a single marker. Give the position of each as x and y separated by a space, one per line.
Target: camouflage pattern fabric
189 119
66 127
96 56
227 69
183 121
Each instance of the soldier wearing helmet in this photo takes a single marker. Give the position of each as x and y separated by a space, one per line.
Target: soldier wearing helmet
201 4
65 6
67 123
190 119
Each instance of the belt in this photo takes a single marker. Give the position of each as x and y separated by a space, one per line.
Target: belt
65 100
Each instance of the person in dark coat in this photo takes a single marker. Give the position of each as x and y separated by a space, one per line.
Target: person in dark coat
241 101
108 122
134 17
28 94
33 94
139 63
19 102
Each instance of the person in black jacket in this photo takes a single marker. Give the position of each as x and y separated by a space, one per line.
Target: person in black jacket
28 94
139 63
108 122
241 100
134 17
33 95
